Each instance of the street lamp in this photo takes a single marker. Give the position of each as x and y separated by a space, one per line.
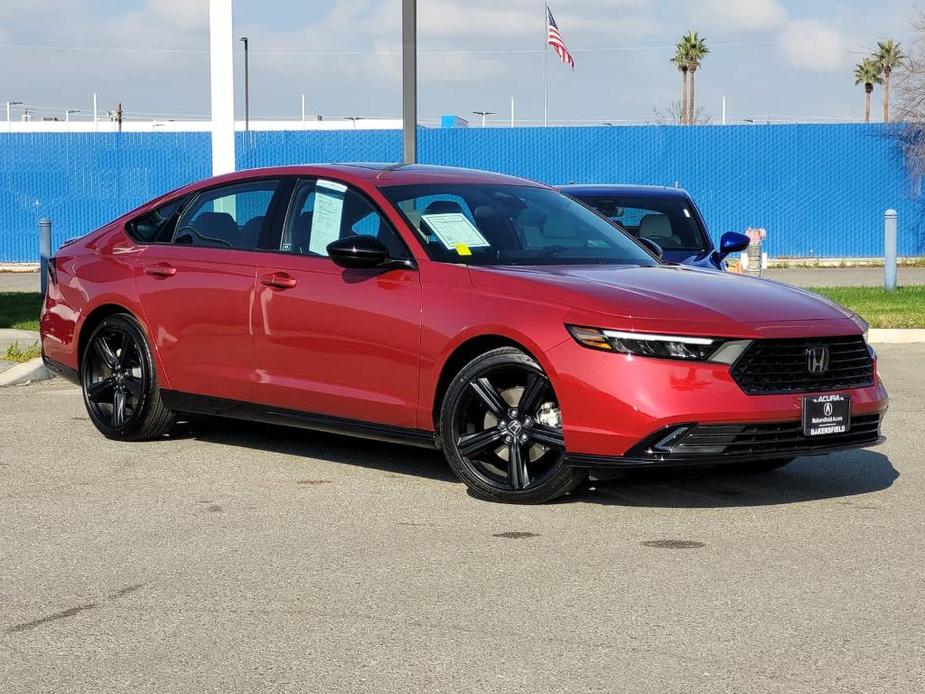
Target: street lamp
247 96
9 105
67 116
483 114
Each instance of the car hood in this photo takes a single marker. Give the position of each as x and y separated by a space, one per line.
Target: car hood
669 297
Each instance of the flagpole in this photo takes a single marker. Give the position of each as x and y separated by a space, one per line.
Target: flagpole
546 65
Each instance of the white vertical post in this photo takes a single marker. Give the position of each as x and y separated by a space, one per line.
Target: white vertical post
545 65
512 111
96 120
303 109
221 48
724 110
889 250
409 81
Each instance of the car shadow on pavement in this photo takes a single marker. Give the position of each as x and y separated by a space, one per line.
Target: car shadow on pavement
813 478
376 455
806 479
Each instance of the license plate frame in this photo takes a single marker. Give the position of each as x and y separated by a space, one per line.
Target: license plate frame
826 415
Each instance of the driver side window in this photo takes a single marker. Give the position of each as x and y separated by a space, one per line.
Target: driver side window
323 211
227 217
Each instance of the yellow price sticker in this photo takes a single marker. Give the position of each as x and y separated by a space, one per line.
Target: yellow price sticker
463 249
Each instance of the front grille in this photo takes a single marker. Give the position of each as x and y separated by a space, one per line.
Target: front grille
768 440
771 367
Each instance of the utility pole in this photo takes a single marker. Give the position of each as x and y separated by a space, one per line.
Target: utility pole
247 88
9 105
96 120
119 115
409 81
303 109
512 111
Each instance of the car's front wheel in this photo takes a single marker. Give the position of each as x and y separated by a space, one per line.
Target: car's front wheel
119 382
501 430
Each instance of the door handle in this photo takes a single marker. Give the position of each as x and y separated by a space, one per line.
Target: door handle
161 270
278 280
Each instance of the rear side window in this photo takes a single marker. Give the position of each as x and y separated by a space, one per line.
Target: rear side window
158 225
228 217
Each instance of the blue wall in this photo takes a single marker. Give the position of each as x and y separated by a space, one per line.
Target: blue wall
820 190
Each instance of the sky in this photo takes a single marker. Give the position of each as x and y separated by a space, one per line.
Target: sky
776 59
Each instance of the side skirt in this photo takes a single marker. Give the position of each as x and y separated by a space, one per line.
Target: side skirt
234 409
62 370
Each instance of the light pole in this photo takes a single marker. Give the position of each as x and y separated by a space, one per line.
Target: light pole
67 117
409 81
483 114
247 96
9 105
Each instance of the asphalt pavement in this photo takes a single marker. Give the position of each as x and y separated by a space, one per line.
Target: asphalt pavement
238 557
19 282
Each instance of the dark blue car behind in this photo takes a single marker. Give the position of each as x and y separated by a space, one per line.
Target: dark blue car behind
665 216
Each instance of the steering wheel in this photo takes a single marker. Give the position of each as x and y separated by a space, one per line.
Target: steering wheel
204 237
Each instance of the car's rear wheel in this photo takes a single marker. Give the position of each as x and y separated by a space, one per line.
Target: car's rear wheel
501 430
119 382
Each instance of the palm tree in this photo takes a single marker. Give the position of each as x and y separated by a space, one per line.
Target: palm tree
867 72
695 49
680 61
888 57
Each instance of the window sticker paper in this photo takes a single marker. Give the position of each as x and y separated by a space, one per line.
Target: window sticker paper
326 220
454 229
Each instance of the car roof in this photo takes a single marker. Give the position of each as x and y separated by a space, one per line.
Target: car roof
379 174
626 190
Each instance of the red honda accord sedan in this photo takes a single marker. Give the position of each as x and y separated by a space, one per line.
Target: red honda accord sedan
494 318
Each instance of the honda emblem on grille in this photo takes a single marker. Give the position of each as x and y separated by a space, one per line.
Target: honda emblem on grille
817 359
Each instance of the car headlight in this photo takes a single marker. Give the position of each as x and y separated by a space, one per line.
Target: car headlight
689 348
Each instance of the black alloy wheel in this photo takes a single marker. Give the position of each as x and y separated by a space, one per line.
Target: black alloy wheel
118 382
501 429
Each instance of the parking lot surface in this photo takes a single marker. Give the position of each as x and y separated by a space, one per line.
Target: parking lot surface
237 557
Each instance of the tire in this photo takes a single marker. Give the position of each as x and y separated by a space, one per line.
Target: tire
501 430
760 465
119 382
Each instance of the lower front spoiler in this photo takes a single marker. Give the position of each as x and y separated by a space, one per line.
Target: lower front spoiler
712 444
599 462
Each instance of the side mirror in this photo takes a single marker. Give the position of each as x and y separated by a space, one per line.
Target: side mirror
361 252
732 242
652 246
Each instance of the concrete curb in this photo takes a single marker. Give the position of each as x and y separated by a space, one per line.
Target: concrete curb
896 336
27 372
19 267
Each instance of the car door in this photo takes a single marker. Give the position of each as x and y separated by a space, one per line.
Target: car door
197 290
331 341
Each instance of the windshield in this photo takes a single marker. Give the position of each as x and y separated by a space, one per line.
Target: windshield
492 224
669 222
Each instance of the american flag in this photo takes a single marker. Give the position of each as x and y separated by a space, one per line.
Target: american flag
554 39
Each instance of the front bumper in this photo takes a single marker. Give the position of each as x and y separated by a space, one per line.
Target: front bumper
714 444
617 407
